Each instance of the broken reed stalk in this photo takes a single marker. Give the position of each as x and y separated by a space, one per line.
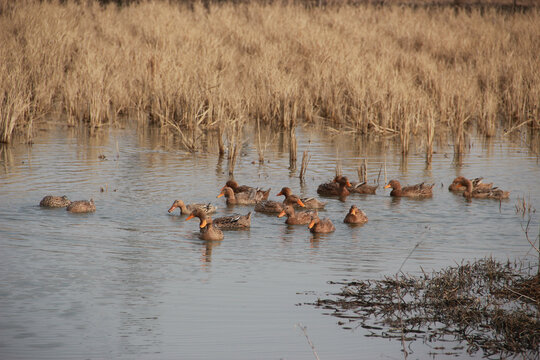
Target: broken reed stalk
292 149
260 150
304 330
305 162
362 171
385 178
221 143
430 133
379 175
232 159
339 171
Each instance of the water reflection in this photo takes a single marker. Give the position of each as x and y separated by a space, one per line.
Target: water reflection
206 251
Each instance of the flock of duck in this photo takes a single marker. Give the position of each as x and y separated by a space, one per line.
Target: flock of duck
211 229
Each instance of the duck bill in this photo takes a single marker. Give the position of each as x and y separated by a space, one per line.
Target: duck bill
172 209
353 212
191 216
281 214
311 224
279 193
203 223
220 195
299 202
349 184
387 186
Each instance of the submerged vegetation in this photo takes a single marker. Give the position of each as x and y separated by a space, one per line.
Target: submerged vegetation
487 305
406 71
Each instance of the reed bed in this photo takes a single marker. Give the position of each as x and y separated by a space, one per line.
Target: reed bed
405 71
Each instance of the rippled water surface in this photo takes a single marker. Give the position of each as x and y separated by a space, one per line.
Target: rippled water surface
132 281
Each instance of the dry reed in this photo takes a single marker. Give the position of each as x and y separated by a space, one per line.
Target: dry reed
385 69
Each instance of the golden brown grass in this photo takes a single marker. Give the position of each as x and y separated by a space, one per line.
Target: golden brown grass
397 70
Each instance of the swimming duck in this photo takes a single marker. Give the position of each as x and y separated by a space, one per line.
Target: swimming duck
418 190
188 209
242 198
317 225
82 206
269 207
457 186
483 193
308 203
339 188
54 201
260 194
331 188
363 188
355 216
208 231
296 218
235 221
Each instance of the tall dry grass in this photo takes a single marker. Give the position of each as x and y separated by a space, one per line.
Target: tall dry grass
397 70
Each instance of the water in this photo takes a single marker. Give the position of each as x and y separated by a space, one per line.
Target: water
132 281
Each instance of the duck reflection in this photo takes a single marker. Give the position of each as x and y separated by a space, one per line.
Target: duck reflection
206 251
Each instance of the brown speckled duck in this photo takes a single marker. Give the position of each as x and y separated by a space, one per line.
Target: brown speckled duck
54 201
242 198
363 188
296 218
208 231
269 207
308 203
188 209
259 194
483 193
457 184
317 225
82 206
233 222
331 188
418 190
355 216
340 187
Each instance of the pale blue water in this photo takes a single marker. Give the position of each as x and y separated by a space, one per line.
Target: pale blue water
132 281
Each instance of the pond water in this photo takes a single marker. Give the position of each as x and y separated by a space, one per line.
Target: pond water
132 281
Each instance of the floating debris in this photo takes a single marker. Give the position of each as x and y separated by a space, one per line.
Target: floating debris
492 307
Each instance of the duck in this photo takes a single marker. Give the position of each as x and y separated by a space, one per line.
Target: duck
269 207
54 201
308 203
232 222
331 188
296 218
418 190
188 209
457 184
208 231
260 194
483 193
363 188
317 225
82 206
339 188
242 198
355 216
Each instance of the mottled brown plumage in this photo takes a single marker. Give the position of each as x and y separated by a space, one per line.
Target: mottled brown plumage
208 231
418 190
54 201
296 218
188 209
82 206
355 216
